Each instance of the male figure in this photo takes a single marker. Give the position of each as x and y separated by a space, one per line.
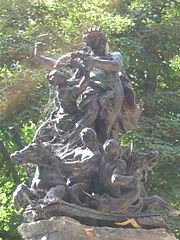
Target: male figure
119 113
113 170
105 82
67 113
112 177
68 90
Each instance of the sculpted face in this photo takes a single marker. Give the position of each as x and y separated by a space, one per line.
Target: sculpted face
88 136
56 78
111 148
96 41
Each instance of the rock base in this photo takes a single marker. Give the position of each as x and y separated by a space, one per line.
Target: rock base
65 228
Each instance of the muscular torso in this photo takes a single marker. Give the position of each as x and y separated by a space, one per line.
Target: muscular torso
109 80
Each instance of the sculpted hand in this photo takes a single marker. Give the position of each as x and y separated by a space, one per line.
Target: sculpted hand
138 175
39 49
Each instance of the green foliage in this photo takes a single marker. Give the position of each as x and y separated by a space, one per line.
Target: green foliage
145 31
175 64
9 218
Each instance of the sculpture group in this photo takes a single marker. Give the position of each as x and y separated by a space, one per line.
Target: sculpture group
81 169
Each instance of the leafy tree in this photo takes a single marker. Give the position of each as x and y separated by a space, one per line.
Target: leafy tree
145 31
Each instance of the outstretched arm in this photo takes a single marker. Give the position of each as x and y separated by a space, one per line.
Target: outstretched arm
118 176
109 64
121 180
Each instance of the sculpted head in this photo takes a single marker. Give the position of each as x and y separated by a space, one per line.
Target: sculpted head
111 148
56 78
95 39
88 137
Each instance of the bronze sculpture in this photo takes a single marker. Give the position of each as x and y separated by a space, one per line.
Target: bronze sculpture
81 171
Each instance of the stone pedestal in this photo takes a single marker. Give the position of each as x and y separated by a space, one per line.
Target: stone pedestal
65 228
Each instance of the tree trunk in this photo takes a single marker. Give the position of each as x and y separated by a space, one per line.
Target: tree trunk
150 90
9 164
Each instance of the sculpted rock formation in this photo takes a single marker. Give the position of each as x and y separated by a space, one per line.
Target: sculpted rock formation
64 228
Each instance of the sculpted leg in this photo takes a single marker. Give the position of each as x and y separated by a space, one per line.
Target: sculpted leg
77 192
157 201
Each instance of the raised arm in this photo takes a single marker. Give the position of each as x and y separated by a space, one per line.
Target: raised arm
49 62
81 87
39 54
